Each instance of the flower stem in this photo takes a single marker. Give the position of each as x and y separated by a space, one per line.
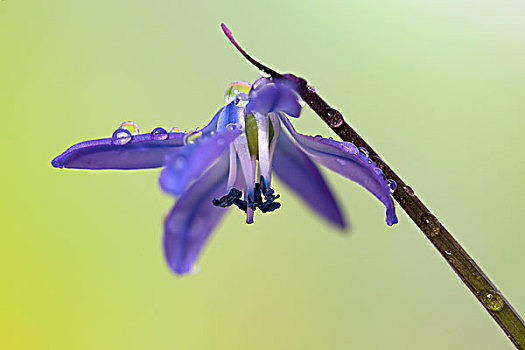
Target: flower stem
461 262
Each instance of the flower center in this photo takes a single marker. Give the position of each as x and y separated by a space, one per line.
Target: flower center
252 135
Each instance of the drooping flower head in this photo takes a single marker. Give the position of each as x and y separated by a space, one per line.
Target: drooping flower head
230 163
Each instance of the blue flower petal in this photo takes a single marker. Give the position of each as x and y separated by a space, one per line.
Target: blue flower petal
297 171
141 152
187 163
344 158
193 218
270 95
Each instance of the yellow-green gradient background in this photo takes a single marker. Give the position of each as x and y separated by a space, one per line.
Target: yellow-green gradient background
437 87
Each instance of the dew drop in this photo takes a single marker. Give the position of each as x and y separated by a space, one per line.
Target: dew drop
448 252
236 88
378 162
233 126
409 190
159 134
429 224
341 161
393 185
332 117
192 136
301 102
364 151
318 138
129 126
349 147
264 74
310 87
241 100
175 129
121 137
492 299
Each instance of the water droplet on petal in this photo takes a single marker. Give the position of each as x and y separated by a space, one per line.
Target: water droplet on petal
364 151
332 117
192 136
264 74
241 100
159 134
341 161
318 138
378 162
348 147
393 185
492 299
175 129
121 137
129 126
236 88
310 87
430 224
233 126
409 190
301 102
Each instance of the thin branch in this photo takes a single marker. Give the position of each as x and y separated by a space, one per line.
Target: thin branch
461 262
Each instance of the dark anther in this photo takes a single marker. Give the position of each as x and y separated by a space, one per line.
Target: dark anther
269 207
241 204
229 199
268 192
265 205
257 194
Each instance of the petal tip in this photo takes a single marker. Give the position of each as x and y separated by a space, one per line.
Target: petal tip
56 163
391 218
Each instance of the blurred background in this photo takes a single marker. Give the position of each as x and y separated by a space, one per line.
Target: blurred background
436 87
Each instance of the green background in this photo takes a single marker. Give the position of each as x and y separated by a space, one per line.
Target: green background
437 87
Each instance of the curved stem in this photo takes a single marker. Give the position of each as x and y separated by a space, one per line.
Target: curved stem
461 262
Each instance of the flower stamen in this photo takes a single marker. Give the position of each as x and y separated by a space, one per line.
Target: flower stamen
265 206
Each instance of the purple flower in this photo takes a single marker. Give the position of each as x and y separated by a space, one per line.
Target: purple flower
229 163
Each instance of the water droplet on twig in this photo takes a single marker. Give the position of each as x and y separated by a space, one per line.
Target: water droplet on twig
492 299
430 224
409 190
332 117
310 87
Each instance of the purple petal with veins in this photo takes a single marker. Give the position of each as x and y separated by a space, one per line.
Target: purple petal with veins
187 163
193 217
297 171
274 95
141 152
344 158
